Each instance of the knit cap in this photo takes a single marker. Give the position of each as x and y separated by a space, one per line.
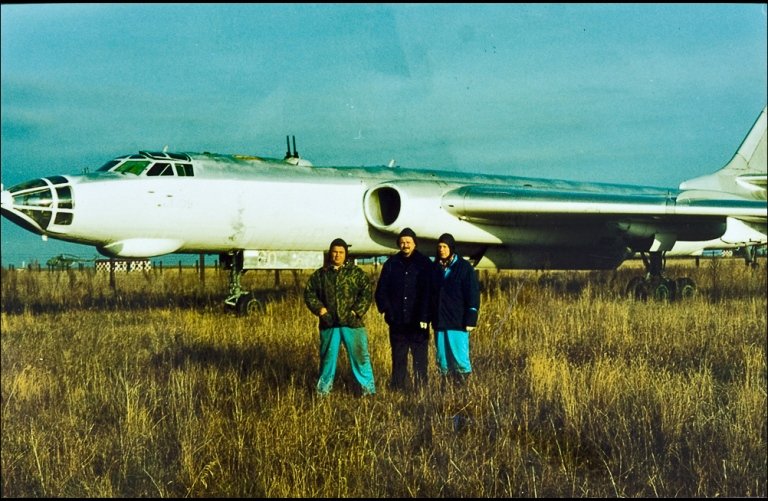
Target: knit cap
407 232
447 239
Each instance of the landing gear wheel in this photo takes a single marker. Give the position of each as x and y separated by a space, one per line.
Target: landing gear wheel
686 288
247 304
664 290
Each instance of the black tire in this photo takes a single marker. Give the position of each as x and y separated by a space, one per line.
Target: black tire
686 288
247 304
663 291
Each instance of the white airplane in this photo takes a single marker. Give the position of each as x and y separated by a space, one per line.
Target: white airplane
266 213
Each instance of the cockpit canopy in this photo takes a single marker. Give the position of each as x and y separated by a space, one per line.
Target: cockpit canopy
149 163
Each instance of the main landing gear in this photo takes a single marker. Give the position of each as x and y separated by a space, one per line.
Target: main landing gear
241 301
655 285
750 256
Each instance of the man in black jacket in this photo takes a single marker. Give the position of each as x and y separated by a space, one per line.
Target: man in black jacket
402 296
455 301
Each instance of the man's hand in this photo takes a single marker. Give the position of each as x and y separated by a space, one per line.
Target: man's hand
323 311
470 328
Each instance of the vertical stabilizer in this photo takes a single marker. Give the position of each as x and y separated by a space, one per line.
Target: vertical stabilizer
745 174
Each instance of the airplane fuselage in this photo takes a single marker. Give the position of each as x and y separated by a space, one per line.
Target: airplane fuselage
234 202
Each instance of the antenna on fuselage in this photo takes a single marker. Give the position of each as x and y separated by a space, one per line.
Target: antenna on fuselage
288 153
293 157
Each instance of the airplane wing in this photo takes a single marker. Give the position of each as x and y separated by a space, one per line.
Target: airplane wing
650 221
496 204
738 191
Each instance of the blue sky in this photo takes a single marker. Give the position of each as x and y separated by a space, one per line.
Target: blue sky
636 94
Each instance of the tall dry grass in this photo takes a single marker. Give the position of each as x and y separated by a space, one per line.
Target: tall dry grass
153 389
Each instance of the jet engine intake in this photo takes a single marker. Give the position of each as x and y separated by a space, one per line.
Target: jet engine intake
390 207
382 206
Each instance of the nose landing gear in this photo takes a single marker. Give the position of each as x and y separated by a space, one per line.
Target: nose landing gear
241 301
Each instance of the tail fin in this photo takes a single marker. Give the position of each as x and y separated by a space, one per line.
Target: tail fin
745 175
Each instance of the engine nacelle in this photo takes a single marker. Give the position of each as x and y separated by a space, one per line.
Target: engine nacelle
390 207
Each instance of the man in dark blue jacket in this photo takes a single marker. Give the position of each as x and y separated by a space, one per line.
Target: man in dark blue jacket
455 302
402 296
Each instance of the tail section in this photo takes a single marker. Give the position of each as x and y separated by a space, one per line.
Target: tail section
745 175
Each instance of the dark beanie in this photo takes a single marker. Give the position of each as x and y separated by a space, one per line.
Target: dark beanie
407 232
338 242
447 239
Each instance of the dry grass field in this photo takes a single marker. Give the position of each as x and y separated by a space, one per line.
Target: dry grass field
153 389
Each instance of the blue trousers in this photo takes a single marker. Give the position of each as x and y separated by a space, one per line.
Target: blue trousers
355 341
452 349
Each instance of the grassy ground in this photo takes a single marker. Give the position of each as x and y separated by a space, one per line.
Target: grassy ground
154 389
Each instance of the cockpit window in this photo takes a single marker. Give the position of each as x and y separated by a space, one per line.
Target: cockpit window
63 218
107 166
28 185
184 170
39 198
160 169
142 164
65 196
135 167
58 180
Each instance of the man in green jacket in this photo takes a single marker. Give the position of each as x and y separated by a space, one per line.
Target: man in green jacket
340 294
